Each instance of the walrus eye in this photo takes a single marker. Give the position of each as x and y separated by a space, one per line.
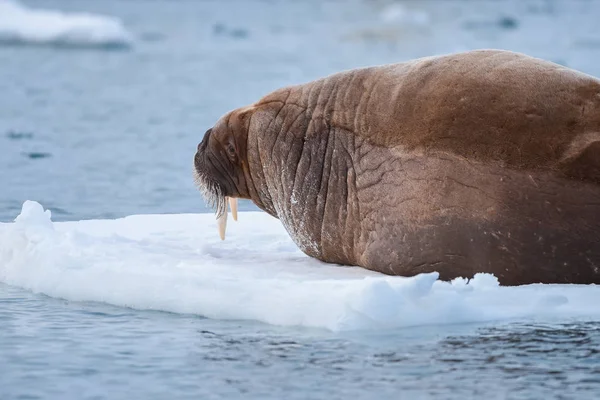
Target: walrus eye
230 150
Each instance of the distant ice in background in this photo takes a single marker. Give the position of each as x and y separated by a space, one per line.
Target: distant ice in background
20 25
401 14
395 22
177 263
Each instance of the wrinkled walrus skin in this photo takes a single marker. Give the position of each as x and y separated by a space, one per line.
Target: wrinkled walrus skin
484 161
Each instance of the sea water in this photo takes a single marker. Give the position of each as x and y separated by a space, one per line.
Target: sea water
100 115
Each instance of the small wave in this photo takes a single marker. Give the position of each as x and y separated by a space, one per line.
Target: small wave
19 135
22 26
177 263
34 155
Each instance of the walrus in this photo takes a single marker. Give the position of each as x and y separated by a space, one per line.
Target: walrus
485 161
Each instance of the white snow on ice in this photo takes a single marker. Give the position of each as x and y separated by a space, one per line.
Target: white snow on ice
177 263
20 25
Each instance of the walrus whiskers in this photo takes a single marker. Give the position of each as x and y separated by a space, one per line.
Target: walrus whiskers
213 195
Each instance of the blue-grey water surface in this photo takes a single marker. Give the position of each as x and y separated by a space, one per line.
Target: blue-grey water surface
107 133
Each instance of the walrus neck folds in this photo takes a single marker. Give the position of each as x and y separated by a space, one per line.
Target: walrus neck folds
259 131
291 163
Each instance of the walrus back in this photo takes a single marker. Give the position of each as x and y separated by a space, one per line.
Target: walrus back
487 105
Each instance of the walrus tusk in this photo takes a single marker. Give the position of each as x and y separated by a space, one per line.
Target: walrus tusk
222 224
233 203
222 220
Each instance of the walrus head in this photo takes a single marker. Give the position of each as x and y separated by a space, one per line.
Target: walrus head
220 167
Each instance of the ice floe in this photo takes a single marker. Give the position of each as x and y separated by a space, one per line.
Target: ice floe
20 25
177 263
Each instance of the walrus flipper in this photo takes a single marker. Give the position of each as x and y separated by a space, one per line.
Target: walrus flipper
582 160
